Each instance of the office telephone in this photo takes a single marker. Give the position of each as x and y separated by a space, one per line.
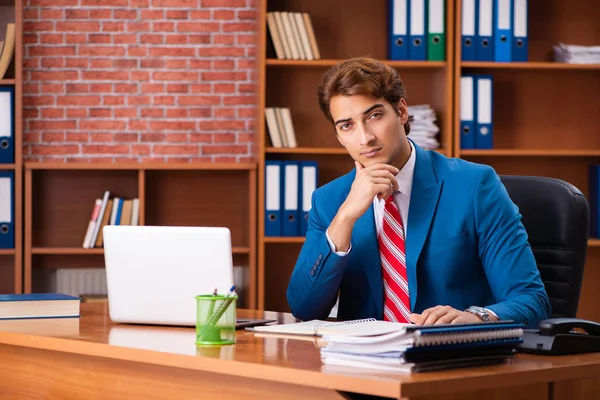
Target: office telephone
557 336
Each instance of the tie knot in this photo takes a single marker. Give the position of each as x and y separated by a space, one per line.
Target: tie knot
390 198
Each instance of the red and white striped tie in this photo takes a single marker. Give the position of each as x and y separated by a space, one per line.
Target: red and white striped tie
396 305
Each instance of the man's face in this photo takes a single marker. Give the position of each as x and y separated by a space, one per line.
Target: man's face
369 128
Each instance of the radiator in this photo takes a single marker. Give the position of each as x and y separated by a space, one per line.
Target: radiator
79 281
92 282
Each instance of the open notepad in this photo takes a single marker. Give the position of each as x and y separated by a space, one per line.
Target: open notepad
359 327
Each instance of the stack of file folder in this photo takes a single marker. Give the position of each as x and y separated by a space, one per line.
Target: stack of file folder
425 348
423 128
417 30
572 54
494 30
476 111
289 186
7 154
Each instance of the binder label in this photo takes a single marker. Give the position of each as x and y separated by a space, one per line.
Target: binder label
484 109
485 18
291 187
417 17
272 200
468 18
5 114
503 14
520 18
436 16
400 27
309 183
5 200
466 98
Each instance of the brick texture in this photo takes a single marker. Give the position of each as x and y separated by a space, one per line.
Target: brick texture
139 80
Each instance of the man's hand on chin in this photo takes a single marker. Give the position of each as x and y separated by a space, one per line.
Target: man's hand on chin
445 315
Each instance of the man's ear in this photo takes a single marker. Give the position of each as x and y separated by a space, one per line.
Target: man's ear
403 111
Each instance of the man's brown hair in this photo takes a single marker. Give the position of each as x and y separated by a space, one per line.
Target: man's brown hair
361 76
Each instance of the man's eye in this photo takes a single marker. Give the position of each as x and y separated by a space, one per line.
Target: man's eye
375 115
345 127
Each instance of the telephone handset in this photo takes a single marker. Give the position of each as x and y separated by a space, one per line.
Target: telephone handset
556 336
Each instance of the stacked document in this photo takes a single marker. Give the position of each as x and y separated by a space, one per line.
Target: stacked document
425 348
572 54
391 346
423 128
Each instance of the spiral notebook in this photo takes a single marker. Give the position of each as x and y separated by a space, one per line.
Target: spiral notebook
427 338
372 331
360 327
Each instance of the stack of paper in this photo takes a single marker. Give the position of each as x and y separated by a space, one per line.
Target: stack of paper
423 128
572 54
424 348
391 346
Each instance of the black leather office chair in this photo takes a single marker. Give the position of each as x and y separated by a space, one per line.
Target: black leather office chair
556 217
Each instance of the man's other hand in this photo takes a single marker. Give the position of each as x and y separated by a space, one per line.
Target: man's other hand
445 315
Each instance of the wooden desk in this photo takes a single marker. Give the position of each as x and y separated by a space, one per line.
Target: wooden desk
107 360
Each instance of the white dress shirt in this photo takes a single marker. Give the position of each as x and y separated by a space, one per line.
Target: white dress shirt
401 196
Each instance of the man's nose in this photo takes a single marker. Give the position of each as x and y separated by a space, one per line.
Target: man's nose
366 136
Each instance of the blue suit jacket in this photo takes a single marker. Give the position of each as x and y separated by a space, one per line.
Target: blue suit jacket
465 246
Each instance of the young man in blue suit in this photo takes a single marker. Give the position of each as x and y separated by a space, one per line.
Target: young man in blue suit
408 235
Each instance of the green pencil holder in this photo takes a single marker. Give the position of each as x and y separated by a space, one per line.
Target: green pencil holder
215 319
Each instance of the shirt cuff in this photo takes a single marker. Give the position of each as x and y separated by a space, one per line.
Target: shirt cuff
493 313
332 246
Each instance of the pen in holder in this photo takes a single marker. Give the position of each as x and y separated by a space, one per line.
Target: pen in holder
215 318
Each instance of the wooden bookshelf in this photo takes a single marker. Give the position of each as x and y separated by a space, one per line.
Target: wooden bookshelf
59 198
11 260
343 30
545 114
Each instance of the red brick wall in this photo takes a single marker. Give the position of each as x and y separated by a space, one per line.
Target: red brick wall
139 80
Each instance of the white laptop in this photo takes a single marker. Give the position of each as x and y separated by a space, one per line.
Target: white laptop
153 273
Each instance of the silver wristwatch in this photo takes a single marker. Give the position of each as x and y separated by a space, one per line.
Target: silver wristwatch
480 312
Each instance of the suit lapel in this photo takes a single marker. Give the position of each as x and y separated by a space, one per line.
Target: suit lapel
424 197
